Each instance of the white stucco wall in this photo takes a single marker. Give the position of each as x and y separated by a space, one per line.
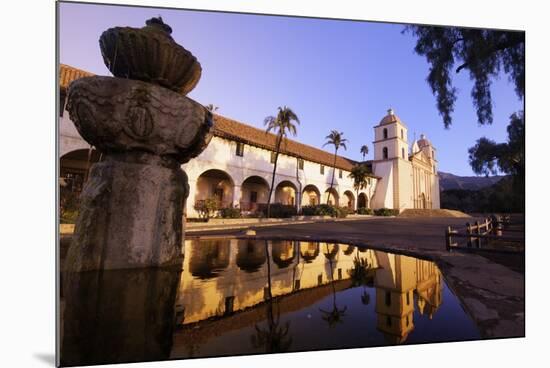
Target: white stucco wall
383 196
221 154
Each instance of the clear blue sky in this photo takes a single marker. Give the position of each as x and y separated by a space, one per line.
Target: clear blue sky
340 75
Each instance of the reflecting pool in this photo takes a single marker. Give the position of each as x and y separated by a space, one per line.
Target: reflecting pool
276 296
238 296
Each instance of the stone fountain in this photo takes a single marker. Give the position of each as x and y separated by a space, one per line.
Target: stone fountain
123 267
145 127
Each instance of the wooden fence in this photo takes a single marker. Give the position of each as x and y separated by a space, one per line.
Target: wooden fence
489 229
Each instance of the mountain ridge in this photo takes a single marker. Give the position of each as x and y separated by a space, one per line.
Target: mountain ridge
449 181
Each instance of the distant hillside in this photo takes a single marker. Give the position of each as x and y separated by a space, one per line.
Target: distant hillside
449 181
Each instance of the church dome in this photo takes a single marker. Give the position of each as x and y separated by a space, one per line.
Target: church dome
390 118
423 141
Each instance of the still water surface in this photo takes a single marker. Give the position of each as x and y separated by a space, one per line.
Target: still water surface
241 297
248 296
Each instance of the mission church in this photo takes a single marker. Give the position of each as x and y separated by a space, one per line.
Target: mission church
237 165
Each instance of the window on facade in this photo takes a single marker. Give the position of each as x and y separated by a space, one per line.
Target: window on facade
385 152
300 164
403 153
322 169
273 154
340 174
240 149
385 133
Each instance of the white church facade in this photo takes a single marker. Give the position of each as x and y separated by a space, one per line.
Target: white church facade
236 167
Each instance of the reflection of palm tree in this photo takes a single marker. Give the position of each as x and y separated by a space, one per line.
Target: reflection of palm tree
334 316
365 297
274 338
359 275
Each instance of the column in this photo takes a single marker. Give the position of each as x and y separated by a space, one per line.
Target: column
237 193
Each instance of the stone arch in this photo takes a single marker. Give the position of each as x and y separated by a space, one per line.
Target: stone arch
68 144
349 250
215 183
250 255
330 250
309 251
362 201
209 258
311 195
283 252
74 167
349 200
254 193
334 197
285 193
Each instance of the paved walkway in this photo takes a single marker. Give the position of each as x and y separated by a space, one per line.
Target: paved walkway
491 288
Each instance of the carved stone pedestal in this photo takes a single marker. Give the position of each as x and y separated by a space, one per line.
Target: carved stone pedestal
132 204
130 215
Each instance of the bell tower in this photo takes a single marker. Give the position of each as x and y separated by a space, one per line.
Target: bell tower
391 163
390 138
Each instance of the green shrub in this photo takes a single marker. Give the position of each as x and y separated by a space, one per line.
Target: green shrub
280 210
325 210
230 212
386 212
206 207
68 216
343 212
69 203
309 210
364 211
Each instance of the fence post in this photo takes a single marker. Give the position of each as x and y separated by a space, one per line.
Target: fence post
469 231
478 242
448 238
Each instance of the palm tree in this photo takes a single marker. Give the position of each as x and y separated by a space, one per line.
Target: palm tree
364 151
359 174
335 138
281 125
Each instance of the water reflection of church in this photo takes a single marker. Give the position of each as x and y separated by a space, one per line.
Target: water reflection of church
222 277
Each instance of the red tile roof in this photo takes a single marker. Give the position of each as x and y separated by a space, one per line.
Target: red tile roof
67 74
234 130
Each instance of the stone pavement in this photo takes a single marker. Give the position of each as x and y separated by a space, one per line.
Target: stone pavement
491 288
